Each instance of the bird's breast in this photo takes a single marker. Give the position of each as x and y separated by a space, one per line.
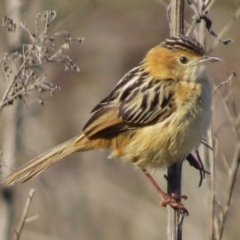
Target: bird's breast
168 141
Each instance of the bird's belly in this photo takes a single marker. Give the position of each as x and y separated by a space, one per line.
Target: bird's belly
166 142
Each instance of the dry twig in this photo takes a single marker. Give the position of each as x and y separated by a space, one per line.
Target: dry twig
220 209
41 50
18 231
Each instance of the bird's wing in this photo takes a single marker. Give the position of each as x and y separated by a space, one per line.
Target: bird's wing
135 101
149 104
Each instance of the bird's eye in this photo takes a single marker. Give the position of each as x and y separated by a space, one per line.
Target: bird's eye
183 60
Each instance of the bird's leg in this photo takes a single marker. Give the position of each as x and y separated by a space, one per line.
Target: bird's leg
198 164
171 200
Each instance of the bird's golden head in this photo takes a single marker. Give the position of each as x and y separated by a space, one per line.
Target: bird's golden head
179 58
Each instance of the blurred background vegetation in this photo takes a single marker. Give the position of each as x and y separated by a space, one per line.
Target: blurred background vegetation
89 196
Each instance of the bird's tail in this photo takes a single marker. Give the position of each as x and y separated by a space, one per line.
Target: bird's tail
40 163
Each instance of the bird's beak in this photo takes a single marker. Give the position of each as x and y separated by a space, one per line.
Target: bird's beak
207 59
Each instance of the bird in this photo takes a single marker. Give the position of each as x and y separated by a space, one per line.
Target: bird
154 117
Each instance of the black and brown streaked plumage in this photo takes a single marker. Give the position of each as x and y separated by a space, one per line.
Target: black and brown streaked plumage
156 115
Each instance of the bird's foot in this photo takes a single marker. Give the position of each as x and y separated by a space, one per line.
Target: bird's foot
172 201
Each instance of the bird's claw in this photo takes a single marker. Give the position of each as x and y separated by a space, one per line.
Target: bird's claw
171 200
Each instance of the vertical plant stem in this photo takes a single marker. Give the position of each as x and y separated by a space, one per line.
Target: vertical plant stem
10 133
177 17
210 160
174 187
175 171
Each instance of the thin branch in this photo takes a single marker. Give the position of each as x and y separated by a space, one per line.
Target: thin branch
225 162
232 181
233 74
33 218
24 215
193 25
226 28
9 88
40 50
